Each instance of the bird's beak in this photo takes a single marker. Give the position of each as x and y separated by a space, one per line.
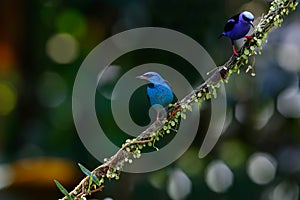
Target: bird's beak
142 77
251 23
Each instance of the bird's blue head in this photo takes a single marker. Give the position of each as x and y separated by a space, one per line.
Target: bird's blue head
152 77
246 17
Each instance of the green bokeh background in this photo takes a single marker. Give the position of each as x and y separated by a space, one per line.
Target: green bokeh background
38 139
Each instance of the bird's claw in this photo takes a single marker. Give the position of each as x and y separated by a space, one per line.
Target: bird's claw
235 52
248 36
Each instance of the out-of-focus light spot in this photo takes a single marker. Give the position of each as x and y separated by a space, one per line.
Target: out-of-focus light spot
31 171
62 48
6 176
218 176
97 34
107 80
7 57
108 198
73 22
52 89
190 163
158 179
288 57
286 190
261 168
228 119
288 102
291 33
233 153
8 99
264 116
179 185
240 112
289 51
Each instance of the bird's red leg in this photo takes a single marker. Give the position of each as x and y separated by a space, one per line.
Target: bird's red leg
248 36
234 50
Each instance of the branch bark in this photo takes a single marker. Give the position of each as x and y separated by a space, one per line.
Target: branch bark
111 168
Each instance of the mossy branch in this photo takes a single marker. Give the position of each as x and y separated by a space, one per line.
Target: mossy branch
131 149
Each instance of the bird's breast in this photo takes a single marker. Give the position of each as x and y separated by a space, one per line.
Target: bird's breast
239 31
160 94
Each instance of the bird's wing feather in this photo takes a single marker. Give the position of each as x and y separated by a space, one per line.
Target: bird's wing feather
175 99
231 22
150 85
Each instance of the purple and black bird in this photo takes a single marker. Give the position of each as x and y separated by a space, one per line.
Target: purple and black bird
238 27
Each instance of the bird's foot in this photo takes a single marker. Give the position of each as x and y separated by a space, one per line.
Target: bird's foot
248 36
235 52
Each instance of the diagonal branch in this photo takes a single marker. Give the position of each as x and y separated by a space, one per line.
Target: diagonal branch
111 168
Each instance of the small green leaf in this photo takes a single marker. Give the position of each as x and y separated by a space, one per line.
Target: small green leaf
183 116
245 56
84 170
63 190
96 180
259 42
173 123
88 173
259 29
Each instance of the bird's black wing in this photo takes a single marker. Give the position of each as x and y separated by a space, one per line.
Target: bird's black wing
151 86
175 99
231 22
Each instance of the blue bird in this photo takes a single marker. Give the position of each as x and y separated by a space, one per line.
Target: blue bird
158 91
237 27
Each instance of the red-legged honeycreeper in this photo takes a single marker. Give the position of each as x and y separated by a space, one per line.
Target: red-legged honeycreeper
237 27
158 89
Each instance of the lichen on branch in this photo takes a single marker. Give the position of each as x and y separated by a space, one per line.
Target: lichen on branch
132 148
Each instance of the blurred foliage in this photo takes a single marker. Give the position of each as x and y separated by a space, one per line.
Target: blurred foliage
42 45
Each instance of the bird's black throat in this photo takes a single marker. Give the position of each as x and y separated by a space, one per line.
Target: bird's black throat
151 85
